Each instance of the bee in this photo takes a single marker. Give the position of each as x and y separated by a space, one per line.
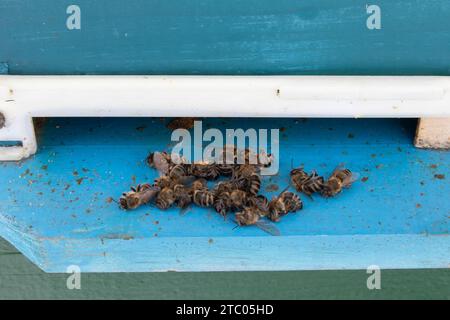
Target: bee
244 171
231 185
165 198
283 204
261 159
182 196
222 197
199 184
308 184
142 194
252 216
226 170
223 186
223 203
253 184
161 161
292 202
179 170
261 203
247 216
164 182
339 179
206 171
203 197
180 174
238 199
277 209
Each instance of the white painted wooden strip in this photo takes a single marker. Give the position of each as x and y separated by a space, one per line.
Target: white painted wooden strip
223 96
23 97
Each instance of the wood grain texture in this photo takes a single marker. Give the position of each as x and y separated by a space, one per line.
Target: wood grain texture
226 37
433 133
20 279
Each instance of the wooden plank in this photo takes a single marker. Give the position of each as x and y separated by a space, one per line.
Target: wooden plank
56 219
20 279
226 37
433 133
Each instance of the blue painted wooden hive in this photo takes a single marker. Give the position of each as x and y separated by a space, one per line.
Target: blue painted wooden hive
55 208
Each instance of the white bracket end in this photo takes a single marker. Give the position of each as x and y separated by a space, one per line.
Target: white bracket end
16 128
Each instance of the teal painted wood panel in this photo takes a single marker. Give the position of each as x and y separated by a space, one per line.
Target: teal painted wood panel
226 37
20 279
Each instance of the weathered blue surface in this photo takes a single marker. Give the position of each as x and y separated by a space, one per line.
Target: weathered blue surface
3 68
54 208
225 37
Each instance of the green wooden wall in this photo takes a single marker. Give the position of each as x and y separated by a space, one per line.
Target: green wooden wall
225 37
19 279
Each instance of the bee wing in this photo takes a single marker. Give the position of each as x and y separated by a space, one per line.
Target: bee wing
268 227
340 166
352 178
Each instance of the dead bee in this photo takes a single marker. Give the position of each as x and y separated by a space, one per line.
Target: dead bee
223 203
292 202
253 184
261 159
259 202
241 184
180 174
252 216
206 171
230 196
238 199
247 216
225 170
283 204
182 195
244 171
339 179
298 178
277 209
142 194
203 197
165 198
223 186
179 170
308 184
170 182
161 161
314 184
164 182
199 184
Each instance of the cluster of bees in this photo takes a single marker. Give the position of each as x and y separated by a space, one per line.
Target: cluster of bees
181 184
